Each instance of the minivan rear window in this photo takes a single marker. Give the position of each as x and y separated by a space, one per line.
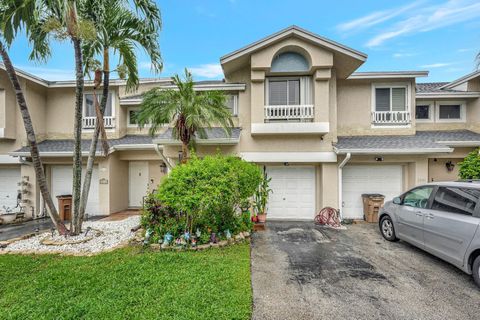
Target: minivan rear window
456 200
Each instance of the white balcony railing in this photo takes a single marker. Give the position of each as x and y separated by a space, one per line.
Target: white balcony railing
297 112
90 122
391 117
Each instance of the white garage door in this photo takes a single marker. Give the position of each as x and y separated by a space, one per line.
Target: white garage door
9 177
293 194
62 184
382 179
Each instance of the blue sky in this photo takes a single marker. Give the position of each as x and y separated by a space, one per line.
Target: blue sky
440 36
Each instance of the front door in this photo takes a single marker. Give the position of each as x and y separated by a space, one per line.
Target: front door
137 182
411 214
451 225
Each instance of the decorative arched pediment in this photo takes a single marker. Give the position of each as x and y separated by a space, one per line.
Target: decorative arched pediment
290 61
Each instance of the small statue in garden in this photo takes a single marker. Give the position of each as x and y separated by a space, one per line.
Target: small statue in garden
148 234
186 236
167 239
228 235
194 242
213 238
198 233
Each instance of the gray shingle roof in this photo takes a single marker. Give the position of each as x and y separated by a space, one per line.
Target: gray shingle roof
428 87
213 133
421 140
66 145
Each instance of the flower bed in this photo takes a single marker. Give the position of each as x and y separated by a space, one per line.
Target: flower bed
202 202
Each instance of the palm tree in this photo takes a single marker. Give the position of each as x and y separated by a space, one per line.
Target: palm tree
189 112
14 15
122 29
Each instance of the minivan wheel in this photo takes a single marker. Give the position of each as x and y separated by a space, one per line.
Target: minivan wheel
476 270
387 229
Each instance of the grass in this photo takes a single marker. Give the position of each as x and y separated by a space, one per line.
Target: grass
128 284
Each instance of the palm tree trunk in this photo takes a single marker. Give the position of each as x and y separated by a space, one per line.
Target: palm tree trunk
94 142
184 152
32 142
77 135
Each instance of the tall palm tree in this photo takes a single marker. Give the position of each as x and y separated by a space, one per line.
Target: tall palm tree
13 15
189 112
122 29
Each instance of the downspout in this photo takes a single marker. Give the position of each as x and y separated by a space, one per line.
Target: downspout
158 148
340 187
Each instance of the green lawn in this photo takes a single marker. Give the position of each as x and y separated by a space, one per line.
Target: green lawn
128 284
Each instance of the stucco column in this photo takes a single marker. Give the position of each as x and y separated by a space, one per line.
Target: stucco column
329 185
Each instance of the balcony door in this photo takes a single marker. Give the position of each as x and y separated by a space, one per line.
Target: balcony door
288 98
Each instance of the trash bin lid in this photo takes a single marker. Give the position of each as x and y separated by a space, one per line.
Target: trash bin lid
64 196
372 195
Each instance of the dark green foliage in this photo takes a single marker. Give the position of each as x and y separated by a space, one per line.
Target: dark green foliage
128 284
470 166
206 194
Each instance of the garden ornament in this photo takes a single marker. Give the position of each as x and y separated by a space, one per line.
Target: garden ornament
228 235
213 238
198 233
167 238
194 242
87 231
148 234
186 236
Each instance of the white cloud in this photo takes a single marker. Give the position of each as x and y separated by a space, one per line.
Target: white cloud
375 18
403 55
436 65
429 18
51 74
210 70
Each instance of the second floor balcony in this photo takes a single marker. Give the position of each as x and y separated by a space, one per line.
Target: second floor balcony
289 113
91 122
391 118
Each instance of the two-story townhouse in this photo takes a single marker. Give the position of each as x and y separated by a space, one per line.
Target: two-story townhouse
324 133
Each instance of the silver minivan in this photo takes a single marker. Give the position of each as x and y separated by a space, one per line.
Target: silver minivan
441 218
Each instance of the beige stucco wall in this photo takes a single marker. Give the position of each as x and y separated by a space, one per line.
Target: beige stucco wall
354 107
117 194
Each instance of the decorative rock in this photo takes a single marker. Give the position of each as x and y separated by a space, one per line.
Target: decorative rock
203 246
155 246
165 245
214 245
246 234
223 243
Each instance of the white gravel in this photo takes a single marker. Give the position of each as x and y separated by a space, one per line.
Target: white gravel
115 233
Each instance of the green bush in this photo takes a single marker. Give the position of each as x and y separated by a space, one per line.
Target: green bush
209 194
469 168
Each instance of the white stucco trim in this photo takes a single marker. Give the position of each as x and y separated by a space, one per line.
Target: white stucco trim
118 147
7 159
294 30
2 132
393 151
290 128
289 156
461 80
57 154
173 142
460 143
388 75
448 95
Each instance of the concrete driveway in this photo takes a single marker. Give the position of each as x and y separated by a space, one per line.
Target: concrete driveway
302 271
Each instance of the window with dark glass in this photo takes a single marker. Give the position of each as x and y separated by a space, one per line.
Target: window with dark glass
284 92
132 117
456 200
90 105
449 111
422 112
418 197
390 99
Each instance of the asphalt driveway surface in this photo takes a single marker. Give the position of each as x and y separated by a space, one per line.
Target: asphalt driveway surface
302 271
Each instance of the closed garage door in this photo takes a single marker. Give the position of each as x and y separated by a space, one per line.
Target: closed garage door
9 177
293 196
62 184
383 179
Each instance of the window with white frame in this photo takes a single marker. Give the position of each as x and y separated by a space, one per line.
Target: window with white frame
232 103
450 111
389 99
288 91
424 111
89 106
131 117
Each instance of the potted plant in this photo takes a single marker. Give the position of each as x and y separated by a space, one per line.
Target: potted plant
261 199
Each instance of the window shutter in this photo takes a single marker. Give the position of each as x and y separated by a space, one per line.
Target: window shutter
294 92
398 99
382 99
277 93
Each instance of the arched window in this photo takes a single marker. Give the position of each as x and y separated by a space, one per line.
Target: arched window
289 62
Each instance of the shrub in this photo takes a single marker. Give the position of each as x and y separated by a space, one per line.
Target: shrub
469 168
209 194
